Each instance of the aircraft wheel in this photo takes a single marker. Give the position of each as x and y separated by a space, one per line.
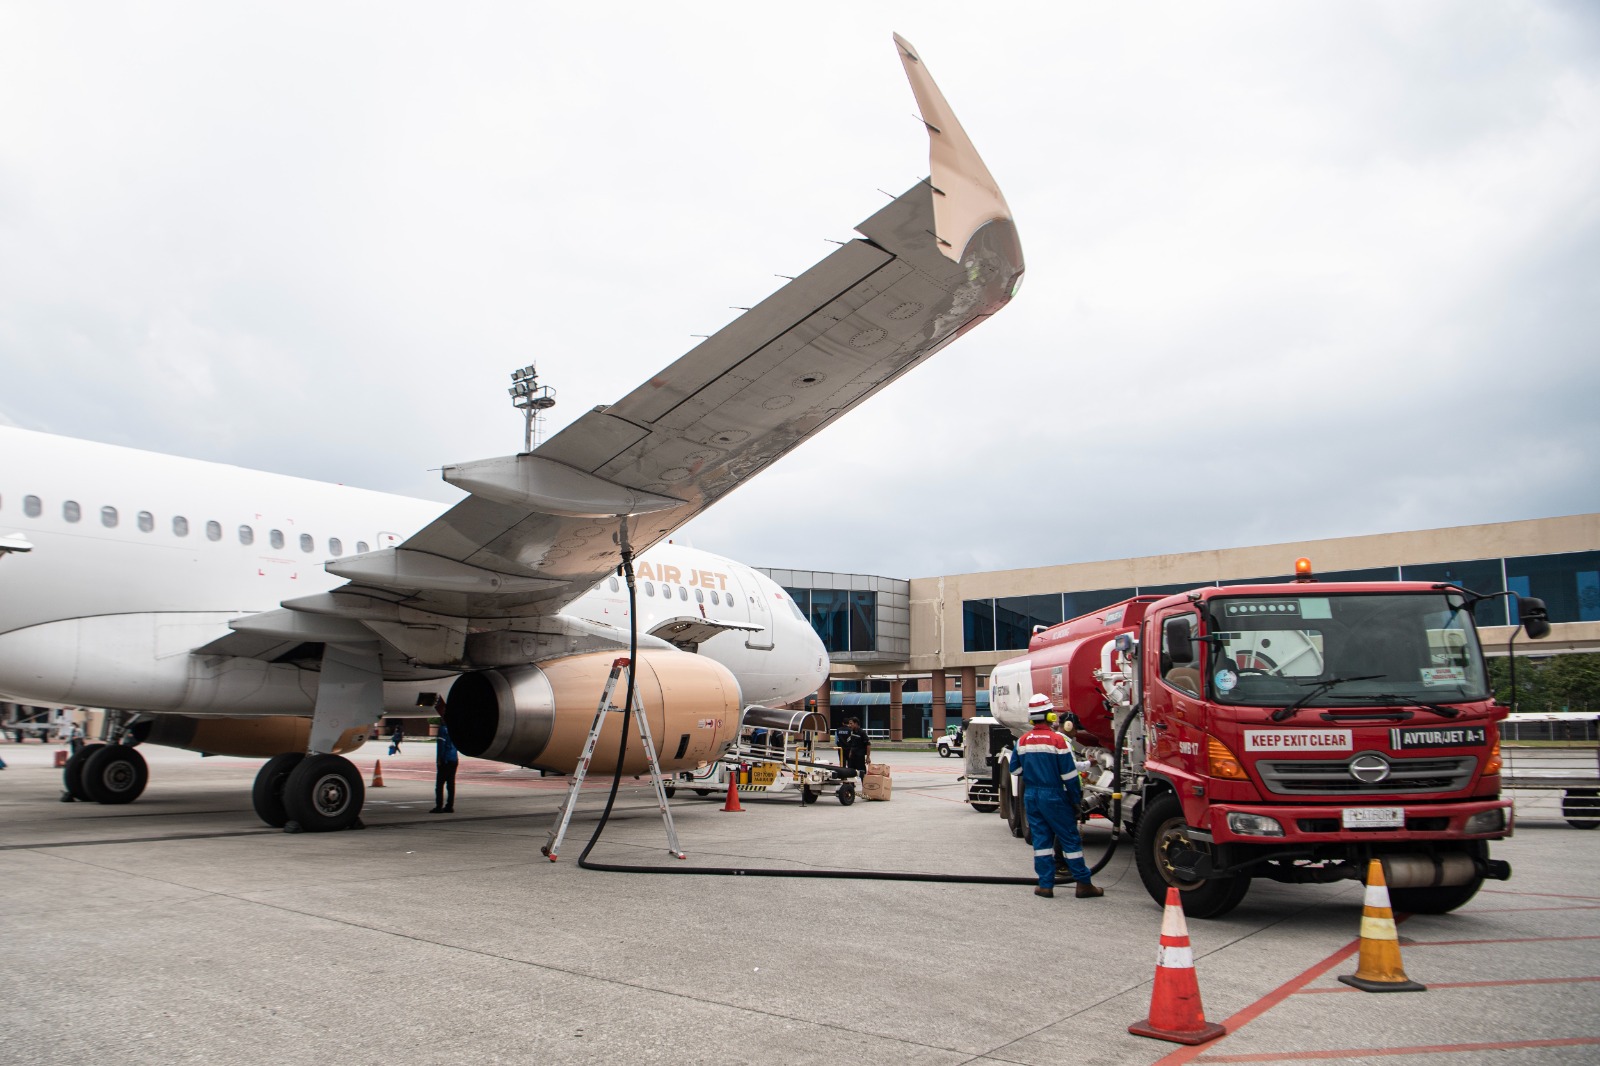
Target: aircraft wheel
324 793
267 793
115 774
72 775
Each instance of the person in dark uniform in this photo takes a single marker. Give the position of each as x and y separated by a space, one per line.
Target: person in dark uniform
1050 777
446 761
855 747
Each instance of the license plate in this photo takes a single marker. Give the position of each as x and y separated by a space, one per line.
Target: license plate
1374 818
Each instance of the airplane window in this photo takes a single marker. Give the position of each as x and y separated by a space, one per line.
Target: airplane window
699 597
306 543
683 593
71 511
361 547
108 517
247 535
147 521
32 507
180 526
275 538
615 585
335 547
649 589
213 530
714 599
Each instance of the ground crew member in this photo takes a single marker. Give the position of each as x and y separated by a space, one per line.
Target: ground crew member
856 747
1052 794
446 760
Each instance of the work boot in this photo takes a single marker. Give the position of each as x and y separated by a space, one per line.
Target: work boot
450 809
1045 892
1088 891
438 810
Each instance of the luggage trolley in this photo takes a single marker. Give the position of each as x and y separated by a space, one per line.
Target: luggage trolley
1562 755
776 752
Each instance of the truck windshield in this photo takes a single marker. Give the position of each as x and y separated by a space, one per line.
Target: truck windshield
1418 647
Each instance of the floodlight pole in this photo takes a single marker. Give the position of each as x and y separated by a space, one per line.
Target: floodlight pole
532 399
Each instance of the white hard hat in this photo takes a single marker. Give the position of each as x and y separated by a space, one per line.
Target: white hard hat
1038 707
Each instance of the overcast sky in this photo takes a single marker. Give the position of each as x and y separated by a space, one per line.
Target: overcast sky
1294 270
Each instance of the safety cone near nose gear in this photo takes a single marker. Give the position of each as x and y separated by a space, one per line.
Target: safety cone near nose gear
377 773
1378 968
733 796
1175 1010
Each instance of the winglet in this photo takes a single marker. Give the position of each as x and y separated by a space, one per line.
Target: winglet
966 195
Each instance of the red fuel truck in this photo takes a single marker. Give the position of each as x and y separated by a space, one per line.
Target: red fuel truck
1289 731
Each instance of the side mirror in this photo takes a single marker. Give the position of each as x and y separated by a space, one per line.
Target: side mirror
1535 618
1175 636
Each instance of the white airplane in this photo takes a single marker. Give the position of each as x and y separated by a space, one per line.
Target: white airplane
235 612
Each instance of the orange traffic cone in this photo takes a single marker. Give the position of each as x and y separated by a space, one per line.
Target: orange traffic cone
1378 968
377 774
733 795
1175 1010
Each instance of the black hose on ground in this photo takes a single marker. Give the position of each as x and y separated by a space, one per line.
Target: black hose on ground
733 871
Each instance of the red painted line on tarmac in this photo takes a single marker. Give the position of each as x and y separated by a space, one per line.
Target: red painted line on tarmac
1426 1049
1464 984
1248 1014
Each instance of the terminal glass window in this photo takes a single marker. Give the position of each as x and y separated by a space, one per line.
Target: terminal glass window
1015 617
977 625
830 618
1569 584
1483 576
1077 604
863 621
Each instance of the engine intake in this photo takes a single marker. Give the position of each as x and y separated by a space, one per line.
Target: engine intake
539 715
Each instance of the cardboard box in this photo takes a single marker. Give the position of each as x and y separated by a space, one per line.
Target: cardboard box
877 786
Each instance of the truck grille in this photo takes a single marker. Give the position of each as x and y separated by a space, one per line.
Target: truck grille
1332 777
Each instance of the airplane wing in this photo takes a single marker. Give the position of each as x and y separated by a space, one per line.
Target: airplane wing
541 528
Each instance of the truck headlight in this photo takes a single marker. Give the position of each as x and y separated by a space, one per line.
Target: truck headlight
1490 821
1254 825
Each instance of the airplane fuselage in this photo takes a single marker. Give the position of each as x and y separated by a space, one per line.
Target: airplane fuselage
137 559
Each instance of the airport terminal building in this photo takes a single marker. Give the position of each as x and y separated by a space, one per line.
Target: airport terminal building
910 655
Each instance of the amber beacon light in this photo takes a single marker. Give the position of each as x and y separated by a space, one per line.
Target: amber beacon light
1302 569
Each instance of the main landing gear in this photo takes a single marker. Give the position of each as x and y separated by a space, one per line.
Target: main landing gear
110 772
309 793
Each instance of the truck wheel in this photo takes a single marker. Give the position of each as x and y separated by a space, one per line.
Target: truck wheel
1162 833
1441 900
1581 808
1019 812
944 752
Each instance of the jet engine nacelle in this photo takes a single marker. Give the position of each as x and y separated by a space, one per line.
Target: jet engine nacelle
539 715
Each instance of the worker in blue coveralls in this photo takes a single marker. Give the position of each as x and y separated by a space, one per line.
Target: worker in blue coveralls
446 762
1051 794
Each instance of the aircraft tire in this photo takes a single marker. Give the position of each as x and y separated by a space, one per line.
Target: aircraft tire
267 793
323 793
72 775
115 774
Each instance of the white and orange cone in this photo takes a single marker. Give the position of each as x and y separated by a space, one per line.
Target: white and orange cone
1175 1010
377 773
1378 968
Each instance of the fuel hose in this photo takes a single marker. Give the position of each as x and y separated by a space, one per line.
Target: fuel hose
741 871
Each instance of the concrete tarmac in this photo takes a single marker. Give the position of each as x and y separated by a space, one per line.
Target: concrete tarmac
179 929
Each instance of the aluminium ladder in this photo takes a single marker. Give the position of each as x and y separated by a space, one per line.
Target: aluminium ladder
552 844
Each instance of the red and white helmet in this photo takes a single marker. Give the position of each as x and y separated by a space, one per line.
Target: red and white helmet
1039 707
